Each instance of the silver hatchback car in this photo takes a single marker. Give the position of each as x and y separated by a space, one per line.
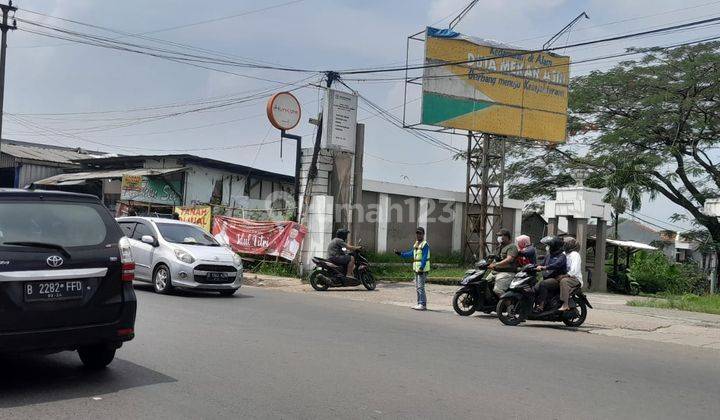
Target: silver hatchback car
169 254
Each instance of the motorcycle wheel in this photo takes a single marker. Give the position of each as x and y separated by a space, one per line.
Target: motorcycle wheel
368 280
634 288
464 303
318 283
575 317
506 311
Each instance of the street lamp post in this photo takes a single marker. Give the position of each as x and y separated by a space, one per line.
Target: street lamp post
712 208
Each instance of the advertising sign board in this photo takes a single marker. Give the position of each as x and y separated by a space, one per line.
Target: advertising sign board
494 88
339 120
245 236
283 111
199 215
153 190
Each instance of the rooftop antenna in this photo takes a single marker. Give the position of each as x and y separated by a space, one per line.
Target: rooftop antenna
565 29
462 14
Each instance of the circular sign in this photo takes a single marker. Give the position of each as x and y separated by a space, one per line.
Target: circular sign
283 111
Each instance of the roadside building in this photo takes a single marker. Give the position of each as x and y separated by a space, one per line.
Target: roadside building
22 163
164 181
390 213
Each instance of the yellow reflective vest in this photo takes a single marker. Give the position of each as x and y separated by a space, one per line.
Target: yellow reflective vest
417 257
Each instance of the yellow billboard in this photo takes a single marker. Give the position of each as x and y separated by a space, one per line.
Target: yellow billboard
493 88
199 215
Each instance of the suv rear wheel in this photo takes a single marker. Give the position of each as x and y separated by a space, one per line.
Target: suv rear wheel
97 356
161 280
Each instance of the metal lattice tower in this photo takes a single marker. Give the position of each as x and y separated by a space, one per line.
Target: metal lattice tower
483 194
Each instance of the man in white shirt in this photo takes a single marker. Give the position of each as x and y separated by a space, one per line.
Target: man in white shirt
574 277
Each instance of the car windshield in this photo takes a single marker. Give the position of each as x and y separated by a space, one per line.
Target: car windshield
62 224
185 234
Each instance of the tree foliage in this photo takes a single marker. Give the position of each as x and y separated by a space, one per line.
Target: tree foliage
650 126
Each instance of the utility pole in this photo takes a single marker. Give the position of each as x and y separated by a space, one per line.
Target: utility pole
4 27
312 170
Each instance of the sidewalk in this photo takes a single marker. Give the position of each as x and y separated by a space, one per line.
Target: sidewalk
610 316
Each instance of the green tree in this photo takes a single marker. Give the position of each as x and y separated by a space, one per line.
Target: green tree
650 126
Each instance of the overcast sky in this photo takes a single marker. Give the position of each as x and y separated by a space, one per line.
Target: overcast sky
51 76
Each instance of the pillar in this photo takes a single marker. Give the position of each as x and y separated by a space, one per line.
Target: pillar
319 221
599 274
517 223
572 226
552 226
382 222
581 226
457 227
422 221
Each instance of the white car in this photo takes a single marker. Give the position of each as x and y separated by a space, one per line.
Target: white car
169 254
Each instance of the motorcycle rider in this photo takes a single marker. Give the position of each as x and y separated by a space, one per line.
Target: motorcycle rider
338 249
504 270
573 279
554 266
526 251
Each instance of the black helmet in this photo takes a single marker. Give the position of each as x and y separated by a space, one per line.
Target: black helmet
553 243
342 233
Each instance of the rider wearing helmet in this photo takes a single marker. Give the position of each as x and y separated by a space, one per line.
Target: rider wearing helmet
554 266
338 252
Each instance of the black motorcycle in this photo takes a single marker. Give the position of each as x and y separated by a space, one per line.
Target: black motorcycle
326 274
517 304
476 293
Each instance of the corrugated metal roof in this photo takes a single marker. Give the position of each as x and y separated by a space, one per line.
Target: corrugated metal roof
630 244
79 177
45 153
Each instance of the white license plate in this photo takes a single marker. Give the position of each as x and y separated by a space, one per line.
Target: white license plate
53 290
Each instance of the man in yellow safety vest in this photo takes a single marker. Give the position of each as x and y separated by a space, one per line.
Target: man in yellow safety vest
420 253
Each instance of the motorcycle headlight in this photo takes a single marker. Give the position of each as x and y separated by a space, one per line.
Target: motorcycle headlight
516 283
184 256
237 260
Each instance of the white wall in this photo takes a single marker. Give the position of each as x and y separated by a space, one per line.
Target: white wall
200 184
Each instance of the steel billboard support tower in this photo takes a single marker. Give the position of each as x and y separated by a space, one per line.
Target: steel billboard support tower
4 27
484 194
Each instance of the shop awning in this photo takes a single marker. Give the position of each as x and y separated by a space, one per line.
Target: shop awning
81 177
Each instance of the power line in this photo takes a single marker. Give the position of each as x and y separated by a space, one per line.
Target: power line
615 22
537 51
182 57
512 72
143 34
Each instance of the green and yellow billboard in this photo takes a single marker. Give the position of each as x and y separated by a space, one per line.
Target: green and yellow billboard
494 88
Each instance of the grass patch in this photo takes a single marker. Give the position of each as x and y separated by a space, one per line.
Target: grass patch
389 257
272 268
709 304
403 273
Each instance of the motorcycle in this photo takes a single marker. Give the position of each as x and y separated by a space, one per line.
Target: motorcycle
517 304
327 275
476 293
622 284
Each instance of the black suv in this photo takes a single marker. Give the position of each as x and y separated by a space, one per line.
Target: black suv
66 275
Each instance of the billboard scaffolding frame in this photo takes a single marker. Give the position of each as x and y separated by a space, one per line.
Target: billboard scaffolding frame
485 180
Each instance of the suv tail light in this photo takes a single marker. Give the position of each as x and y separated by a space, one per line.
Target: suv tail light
128 265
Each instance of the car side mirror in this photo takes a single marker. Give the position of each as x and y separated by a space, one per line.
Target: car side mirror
148 240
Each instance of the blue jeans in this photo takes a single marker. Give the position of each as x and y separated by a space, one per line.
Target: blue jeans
420 279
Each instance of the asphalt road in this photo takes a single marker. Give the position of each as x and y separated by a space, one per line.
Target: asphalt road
271 354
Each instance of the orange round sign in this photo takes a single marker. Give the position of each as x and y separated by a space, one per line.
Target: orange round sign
283 111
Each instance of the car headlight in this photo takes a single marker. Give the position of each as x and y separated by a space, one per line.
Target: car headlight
184 256
237 260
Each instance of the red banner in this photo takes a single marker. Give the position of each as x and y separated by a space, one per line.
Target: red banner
260 238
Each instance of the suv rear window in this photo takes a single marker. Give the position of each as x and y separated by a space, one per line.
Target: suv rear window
66 224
